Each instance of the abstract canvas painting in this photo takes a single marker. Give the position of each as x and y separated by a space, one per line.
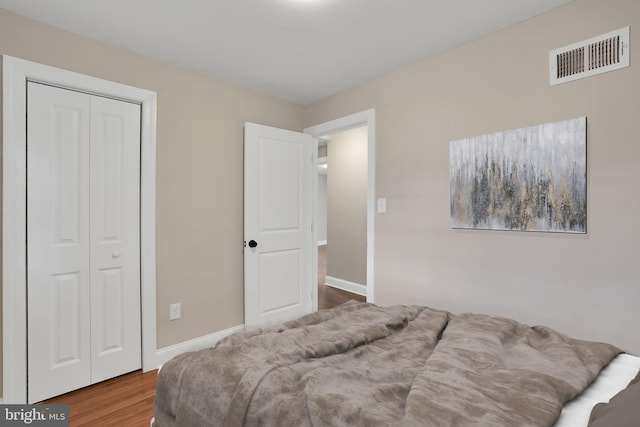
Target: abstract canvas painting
528 179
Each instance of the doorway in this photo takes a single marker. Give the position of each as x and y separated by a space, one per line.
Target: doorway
344 182
366 120
16 75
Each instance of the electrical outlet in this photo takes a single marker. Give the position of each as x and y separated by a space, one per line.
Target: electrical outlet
382 205
174 311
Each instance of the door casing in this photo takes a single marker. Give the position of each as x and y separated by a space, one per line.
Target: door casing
16 73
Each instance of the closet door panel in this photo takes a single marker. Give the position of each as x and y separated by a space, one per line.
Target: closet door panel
58 240
115 237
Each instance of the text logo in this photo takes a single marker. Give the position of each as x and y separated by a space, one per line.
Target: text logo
34 415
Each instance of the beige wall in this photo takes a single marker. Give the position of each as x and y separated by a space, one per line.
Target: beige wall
199 169
584 285
347 206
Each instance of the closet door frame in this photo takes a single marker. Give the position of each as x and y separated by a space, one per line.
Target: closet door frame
16 73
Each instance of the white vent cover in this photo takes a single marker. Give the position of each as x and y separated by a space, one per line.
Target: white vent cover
597 55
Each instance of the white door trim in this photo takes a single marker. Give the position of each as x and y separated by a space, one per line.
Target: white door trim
363 118
16 73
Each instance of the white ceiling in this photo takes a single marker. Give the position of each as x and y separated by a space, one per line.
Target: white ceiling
299 50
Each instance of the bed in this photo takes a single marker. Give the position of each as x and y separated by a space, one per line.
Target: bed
364 365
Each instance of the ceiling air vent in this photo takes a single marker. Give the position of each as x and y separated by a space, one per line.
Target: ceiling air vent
597 55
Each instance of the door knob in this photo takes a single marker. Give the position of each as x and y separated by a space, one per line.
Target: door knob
115 254
253 243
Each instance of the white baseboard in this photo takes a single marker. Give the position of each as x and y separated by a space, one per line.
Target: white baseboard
322 242
165 354
345 285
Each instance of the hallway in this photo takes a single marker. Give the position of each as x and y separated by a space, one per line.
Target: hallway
328 296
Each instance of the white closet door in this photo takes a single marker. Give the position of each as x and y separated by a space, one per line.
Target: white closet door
115 238
58 241
83 228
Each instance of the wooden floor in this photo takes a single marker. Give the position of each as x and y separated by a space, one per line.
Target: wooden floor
127 401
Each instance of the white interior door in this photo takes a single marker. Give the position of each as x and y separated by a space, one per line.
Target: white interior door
278 211
83 257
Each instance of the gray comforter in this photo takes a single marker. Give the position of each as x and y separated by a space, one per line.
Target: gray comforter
364 365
